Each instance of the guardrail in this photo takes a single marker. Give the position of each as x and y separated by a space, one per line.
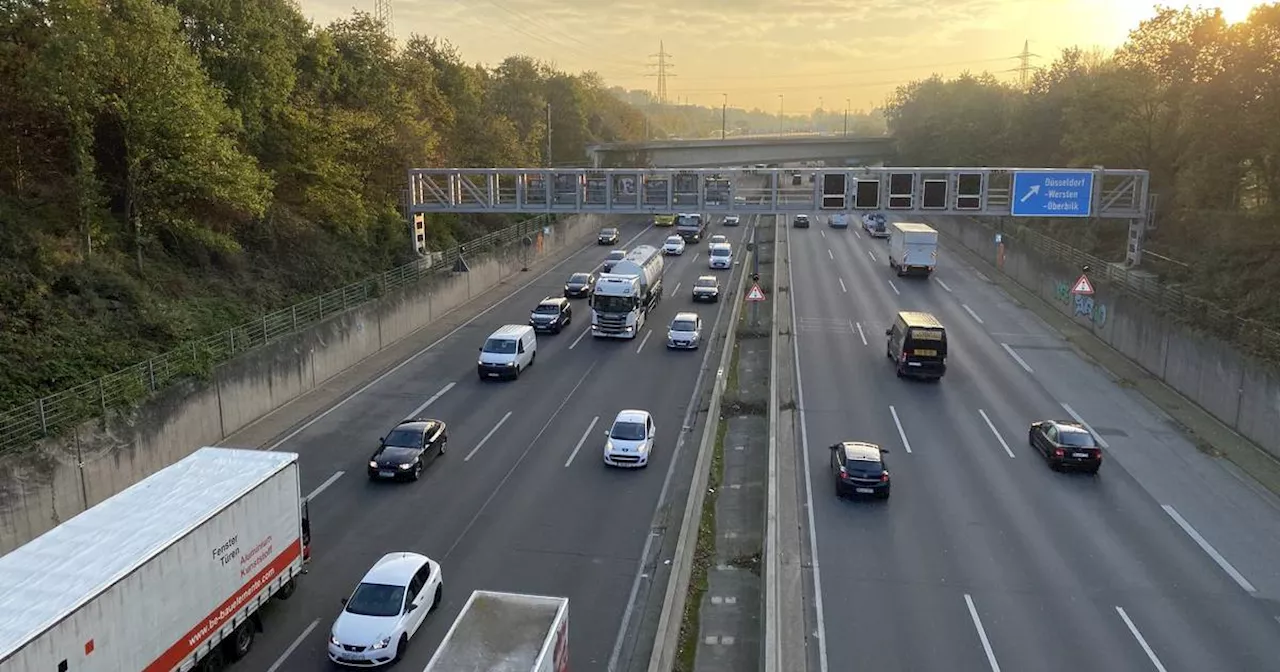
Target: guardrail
1252 335
51 415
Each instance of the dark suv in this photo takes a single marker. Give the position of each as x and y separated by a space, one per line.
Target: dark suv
607 237
917 346
553 315
800 221
859 469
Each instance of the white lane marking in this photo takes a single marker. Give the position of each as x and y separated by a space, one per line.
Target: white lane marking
1141 640
842 287
1076 416
293 647
307 425
430 401
579 338
860 334
993 429
833 257
895 288
644 340
808 485
1016 358
857 233
871 254
695 258
1209 549
824 233
582 441
972 314
905 443
677 289
323 486
982 633
486 438
940 282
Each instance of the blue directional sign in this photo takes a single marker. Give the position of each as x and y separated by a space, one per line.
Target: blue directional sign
1051 193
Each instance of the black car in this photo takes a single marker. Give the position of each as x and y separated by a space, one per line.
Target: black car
579 285
608 236
800 222
706 288
1066 445
408 449
553 315
859 469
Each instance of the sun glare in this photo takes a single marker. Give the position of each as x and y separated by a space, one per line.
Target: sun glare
1234 11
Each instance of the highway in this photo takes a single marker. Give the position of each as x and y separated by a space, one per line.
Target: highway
521 502
984 558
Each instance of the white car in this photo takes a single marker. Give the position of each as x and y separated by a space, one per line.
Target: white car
720 255
386 609
732 220
685 332
673 245
630 440
718 239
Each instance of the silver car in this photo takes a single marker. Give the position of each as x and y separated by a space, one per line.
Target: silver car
685 332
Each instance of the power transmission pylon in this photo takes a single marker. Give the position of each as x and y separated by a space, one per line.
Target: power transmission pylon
1024 65
382 12
663 65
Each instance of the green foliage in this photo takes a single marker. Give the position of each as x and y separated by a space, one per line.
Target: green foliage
1188 97
173 167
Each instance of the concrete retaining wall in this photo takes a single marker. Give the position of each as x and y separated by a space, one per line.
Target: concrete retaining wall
60 478
1239 390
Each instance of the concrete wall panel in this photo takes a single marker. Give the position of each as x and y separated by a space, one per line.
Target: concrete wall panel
263 380
1260 409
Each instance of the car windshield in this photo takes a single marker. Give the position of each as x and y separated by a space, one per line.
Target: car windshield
547 309
616 256
578 279
404 438
674 240
719 251
1076 439
500 346
719 239
397 454
802 217
376 599
684 325
704 283
627 431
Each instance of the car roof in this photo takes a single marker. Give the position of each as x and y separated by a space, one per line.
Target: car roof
425 424
685 316
712 278
395 569
859 450
918 319
553 300
720 246
622 252
631 415
802 215
673 237
1068 426
576 273
510 331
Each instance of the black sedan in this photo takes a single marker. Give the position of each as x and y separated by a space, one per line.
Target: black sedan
1066 445
408 449
579 285
800 221
608 237
859 469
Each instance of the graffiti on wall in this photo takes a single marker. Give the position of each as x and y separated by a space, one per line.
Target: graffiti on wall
1081 305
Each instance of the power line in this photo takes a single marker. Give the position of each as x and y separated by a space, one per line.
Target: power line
836 73
662 66
533 22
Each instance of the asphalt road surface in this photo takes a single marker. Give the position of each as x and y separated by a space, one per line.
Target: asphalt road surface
984 558
522 501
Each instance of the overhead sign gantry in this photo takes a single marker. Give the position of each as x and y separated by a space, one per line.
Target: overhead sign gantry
1016 192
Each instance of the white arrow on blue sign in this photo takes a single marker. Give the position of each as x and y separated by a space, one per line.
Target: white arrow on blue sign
1052 193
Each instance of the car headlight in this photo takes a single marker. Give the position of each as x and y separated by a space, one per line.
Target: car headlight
511 363
382 643
608 446
333 639
373 464
406 465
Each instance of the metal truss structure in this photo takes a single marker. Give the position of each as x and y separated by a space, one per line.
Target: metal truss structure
1098 192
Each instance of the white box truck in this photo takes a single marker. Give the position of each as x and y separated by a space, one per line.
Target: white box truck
624 297
166 575
913 248
506 632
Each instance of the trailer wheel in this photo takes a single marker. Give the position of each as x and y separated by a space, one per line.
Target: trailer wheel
214 662
242 639
286 591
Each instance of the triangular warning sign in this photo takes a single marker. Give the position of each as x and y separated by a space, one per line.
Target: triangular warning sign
1082 286
755 294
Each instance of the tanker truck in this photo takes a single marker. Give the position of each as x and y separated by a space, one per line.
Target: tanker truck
626 295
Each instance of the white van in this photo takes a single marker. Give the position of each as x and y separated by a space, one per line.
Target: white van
507 352
720 256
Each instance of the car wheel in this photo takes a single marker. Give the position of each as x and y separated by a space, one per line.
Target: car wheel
1031 440
1094 471
559 328
839 492
401 646
900 372
444 445
417 472
435 600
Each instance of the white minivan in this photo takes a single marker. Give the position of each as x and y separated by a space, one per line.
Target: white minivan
507 352
720 256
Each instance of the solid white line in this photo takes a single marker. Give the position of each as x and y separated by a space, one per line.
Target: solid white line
1076 416
833 257
895 288
430 401
677 289
1207 548
307 425
808 485
871 254
982 634
579 338
323 486
582 441
1016 358
860 334
944 285
1141 640
486 438
644 340
293 647
993 429
971 313
842 287
905 443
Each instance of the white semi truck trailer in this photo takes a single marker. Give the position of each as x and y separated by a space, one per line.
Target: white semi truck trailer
625 296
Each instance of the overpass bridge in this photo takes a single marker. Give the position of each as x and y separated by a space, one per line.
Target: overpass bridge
741 151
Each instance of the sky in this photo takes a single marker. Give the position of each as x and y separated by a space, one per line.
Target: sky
792 56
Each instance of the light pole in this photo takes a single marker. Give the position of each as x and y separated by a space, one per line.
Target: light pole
818 117
548 135
847 105
781 102
724 111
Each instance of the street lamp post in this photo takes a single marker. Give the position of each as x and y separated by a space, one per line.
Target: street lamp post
847 105
781 108
724 111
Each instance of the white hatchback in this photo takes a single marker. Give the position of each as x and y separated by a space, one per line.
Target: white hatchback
630 440
685 332
673 245
386 609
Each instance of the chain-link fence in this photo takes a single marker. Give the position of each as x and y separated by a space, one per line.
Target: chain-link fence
1257 338
59 412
